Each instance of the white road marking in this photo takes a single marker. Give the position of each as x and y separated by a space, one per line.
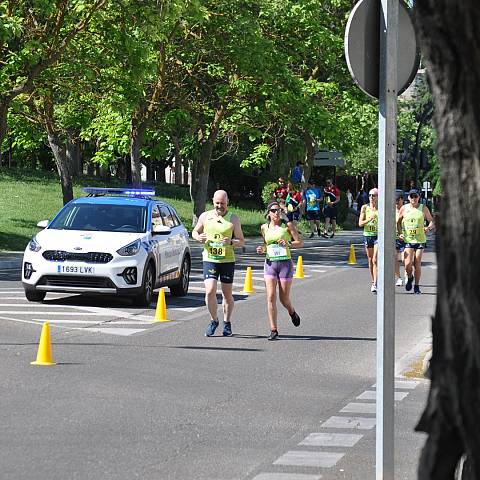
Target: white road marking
76 322
286 476
309 459
372 395
405 384
359 408
360 423
116 331
331 440
22 312
316 271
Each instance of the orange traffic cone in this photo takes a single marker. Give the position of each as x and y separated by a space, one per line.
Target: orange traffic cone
161 311
248 286
299 269
44 354
352 259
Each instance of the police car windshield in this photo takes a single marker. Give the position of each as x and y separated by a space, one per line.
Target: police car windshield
101 217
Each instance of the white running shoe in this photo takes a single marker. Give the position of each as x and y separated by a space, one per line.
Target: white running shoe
399 282
373 288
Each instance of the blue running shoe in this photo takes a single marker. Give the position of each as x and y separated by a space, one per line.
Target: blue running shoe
227 329
416 289
273 335
408 285
212 326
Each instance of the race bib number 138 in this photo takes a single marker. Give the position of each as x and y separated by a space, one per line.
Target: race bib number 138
216 250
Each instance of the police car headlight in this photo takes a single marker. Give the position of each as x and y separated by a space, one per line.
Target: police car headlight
130 249
34 246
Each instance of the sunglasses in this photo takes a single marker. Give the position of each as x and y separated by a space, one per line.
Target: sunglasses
373 195
413 195
273 210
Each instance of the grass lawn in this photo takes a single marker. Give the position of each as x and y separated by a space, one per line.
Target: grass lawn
26 197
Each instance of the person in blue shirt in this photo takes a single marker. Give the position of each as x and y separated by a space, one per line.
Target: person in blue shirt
312 199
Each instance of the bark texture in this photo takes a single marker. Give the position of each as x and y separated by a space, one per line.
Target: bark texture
449 35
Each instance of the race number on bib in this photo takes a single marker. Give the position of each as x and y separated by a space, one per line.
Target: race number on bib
371 228
277 252
413 232
216 250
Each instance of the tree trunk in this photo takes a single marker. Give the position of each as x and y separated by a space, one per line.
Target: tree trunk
201 168
449 35
3 125
62 161
178 160
136 142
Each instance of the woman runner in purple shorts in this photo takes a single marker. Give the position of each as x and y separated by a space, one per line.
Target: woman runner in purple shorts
278 237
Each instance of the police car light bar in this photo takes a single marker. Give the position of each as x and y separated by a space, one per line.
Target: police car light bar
133 192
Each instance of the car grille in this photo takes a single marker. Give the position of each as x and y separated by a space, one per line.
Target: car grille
75 281
88 257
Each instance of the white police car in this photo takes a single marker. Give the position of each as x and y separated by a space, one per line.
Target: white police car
113 241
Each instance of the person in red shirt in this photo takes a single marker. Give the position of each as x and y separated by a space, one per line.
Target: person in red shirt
332 197
281 191
294 202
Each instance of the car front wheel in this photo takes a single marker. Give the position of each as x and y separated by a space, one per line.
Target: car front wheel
34 295
145 298
181 288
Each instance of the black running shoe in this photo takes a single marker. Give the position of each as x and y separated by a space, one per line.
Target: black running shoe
325 235
227 329
416 289
311 235
295 319
273 335
408 285
332 235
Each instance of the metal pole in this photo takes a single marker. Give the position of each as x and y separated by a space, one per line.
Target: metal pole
387 151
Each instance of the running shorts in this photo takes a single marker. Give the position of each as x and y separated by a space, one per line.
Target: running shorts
371 241
312 214
399 245
214 270
330 211
280 270
293 216
416 246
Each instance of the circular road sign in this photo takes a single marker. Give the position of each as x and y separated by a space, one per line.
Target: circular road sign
362 47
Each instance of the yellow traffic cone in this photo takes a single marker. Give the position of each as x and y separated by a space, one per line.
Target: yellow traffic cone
299 269
248 286
352 260
44 354
161 311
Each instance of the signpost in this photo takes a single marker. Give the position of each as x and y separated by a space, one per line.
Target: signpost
375 28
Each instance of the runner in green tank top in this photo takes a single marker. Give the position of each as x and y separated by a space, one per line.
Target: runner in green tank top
278 236
411 228
220 232
368 219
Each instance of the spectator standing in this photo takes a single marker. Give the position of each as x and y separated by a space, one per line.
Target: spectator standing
293 201
349 198
312 197
332 197
280 193
297 173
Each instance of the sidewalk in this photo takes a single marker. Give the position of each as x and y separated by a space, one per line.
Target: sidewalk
13 260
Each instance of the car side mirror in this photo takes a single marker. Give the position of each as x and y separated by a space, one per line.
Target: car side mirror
42 224
161 229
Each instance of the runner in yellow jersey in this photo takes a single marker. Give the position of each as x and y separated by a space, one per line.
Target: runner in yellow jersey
220 232
368 219
411 227
399 242
278 236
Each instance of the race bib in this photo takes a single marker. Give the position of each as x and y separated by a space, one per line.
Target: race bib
413 232
371 228
277 252
216 250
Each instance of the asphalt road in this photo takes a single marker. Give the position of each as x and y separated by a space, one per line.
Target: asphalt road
134 399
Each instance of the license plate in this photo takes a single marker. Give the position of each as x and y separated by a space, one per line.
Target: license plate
78 269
